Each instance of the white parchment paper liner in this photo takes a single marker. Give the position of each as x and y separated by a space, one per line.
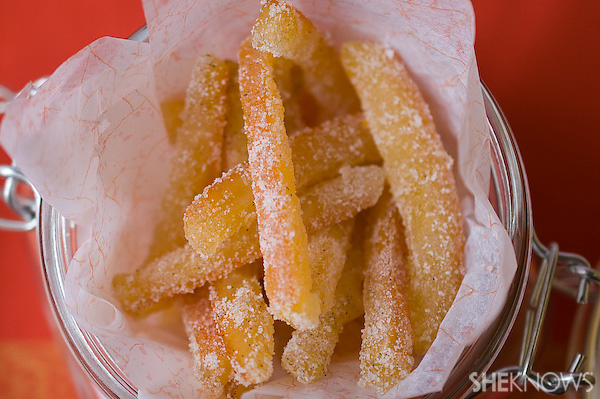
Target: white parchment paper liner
93 143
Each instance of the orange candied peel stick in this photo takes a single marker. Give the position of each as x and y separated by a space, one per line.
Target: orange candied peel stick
183 270
197 160
245 324
285 32
386 349
318 154
419 172
283 239
212 369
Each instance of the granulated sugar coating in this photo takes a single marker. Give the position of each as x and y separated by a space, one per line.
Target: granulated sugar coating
386 350
197 160
183 270
245 324
327 249
284 32
308 353
419 172
318 153
220 211
212 369
283 240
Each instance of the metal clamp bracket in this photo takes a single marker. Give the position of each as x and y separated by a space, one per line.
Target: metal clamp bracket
24 207
573 275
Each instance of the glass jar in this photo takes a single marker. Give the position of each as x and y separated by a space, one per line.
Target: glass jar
509 194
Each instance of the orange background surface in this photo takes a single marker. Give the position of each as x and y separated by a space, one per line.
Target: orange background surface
539 58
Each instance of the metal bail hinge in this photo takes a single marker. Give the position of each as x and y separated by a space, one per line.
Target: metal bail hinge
23 206
574 277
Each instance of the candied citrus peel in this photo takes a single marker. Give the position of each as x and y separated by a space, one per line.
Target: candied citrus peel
419 172
283 239
327 249
285 32
197 160
183 270
386 349
318 154
171 111
235 149
212 368
247 328
308 353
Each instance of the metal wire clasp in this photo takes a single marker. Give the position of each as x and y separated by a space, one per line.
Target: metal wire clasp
24 207
573 275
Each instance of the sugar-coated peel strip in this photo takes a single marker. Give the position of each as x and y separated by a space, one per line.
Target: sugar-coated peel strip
318 154
235 150
327 249
355 188
386 349
183 270
283 239
197 160
308 353
285 32
171 111
212 368
220 211
419 172
288 78
247 328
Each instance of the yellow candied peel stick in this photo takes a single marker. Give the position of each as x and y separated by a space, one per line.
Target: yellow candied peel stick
327 249
317 153
356 188
183 270
285 32
197 160
386 349
235 149
283 239
171 111
419 172
212 369
308 353
246 326
288 78
220 211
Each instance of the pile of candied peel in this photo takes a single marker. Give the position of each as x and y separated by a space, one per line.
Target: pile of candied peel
313 189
